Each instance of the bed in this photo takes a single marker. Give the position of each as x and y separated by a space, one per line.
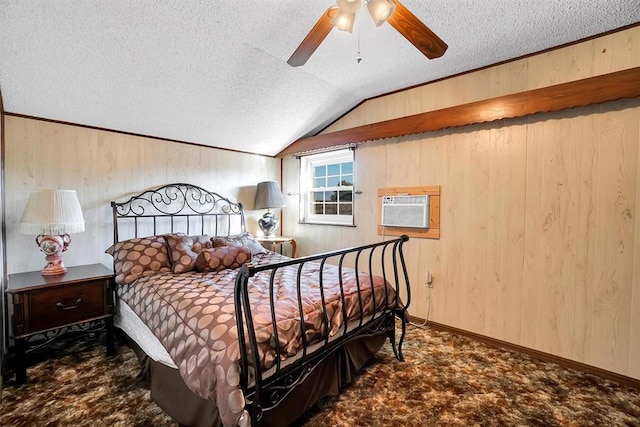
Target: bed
230 333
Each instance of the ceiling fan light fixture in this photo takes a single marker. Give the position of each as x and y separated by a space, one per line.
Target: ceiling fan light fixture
380 10
349 6
344 21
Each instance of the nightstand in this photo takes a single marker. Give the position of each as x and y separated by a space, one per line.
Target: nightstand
45 305
278 240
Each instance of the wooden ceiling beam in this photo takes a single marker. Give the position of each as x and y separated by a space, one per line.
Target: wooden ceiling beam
579 93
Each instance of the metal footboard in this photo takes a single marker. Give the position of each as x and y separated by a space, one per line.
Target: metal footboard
265 389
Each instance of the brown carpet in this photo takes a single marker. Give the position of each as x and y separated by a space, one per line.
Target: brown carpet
446 380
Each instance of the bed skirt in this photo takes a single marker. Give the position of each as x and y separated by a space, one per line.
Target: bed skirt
171 394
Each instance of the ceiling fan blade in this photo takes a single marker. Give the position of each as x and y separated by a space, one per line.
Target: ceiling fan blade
313 39
407 24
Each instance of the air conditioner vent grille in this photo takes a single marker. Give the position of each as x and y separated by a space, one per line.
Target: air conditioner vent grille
405 211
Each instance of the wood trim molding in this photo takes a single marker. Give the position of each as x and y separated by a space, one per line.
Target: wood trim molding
506 61
578 93
540 355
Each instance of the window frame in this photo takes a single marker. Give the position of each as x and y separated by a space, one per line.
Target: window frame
307 167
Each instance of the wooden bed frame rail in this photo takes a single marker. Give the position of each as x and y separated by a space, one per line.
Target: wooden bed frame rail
263 391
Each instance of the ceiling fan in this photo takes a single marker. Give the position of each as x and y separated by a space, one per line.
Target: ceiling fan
342 16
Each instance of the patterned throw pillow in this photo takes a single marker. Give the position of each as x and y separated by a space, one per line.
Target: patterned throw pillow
183 250
139 257
216 259
244 239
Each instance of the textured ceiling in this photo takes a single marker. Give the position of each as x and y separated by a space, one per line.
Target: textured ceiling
215 72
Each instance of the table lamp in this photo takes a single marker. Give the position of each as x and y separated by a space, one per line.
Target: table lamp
268 195
51 215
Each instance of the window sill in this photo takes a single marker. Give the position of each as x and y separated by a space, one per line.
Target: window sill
325 223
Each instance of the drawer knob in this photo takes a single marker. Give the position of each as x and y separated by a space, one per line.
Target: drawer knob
63 307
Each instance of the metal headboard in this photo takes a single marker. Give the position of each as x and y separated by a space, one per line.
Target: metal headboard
175 208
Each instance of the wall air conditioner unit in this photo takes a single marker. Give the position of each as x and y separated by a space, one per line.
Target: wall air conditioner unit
405 211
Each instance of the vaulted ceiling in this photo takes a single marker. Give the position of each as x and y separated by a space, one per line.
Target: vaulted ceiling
215 72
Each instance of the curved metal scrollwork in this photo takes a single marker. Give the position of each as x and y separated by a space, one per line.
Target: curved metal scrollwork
38 341
174 201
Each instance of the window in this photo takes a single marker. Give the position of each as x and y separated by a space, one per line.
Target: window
326 182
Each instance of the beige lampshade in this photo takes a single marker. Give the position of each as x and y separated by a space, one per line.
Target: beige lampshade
344 21
51 212
380 10
268 195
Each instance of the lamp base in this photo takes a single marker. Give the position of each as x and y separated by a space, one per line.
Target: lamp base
54 267
268 224
53 246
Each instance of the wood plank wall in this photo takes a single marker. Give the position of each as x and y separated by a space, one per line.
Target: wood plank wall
3 272
104 166
540 216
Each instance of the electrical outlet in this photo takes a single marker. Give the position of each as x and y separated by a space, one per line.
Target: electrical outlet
428 280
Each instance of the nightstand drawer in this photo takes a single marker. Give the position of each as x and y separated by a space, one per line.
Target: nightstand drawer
63 305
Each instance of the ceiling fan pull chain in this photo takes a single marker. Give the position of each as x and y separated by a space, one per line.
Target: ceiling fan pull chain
358 56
